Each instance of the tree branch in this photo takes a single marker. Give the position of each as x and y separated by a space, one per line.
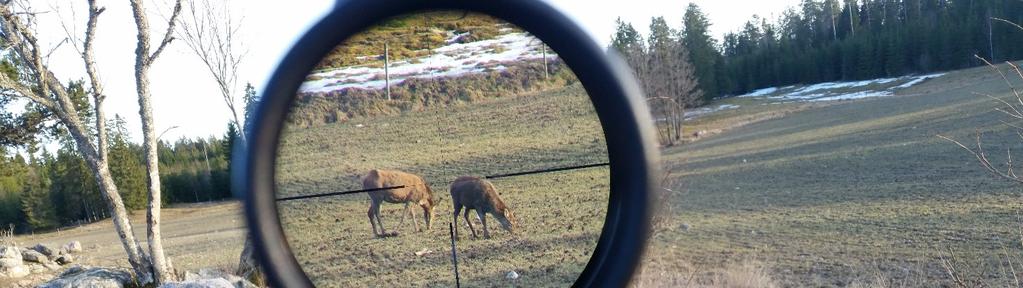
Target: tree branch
25 91
168 36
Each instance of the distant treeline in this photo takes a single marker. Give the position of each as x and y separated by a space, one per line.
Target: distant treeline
51 189
833 40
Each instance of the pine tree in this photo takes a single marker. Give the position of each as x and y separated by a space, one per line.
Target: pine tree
250 99
126 165
13 176
38 210
702 50
626 40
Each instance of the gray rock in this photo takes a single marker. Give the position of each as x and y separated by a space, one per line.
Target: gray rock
512 275
10 252
52 266
17 271
8 263
64 259
90 277
212 277
201 283
34 256
37 268
46 250
73 247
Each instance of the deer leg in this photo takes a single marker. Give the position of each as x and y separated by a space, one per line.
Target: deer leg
403 213
376 211
415 223
458 208
371 220
483 219
466 215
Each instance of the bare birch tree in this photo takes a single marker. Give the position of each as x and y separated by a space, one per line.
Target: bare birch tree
210 32
37 83
667 77
144 59
671 87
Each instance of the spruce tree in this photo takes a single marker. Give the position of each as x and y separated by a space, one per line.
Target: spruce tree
702 49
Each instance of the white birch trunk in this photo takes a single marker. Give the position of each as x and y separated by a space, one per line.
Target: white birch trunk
162 270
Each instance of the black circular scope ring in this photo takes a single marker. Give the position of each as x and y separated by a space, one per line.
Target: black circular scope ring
623 114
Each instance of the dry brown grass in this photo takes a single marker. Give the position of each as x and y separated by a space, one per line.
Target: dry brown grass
7 236
747 273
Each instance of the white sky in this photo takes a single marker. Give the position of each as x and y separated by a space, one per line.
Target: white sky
185 95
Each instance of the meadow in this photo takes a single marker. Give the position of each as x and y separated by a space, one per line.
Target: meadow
560 214
840 194
858 193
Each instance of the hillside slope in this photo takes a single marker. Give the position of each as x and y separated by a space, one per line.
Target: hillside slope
851 193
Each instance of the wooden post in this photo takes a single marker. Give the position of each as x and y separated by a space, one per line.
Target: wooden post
543 48
454 255
387 72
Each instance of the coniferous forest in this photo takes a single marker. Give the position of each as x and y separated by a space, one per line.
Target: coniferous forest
52 189
815 41
41 190
831 40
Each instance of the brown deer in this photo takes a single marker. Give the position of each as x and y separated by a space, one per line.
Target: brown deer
478 194
415 191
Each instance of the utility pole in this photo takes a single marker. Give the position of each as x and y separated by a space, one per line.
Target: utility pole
387 72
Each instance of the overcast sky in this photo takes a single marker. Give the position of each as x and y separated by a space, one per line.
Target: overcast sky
185 95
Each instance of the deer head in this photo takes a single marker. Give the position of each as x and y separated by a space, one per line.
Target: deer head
507 220
428 204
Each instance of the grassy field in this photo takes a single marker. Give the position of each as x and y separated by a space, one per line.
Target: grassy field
195 236
855 193
560 213
858 193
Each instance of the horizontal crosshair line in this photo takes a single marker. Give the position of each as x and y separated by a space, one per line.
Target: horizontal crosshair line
547 170
339 193
487 177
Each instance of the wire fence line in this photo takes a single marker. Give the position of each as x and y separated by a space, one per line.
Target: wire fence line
496 176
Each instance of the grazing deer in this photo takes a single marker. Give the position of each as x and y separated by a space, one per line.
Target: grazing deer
416 191
479 194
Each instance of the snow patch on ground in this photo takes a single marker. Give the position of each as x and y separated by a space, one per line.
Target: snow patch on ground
827 91
452 59
698 112
919 79
761 92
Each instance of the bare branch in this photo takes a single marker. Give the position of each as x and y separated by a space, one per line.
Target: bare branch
168 36
25 91
982 158
1007 21
1007 82
90 69
209 33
